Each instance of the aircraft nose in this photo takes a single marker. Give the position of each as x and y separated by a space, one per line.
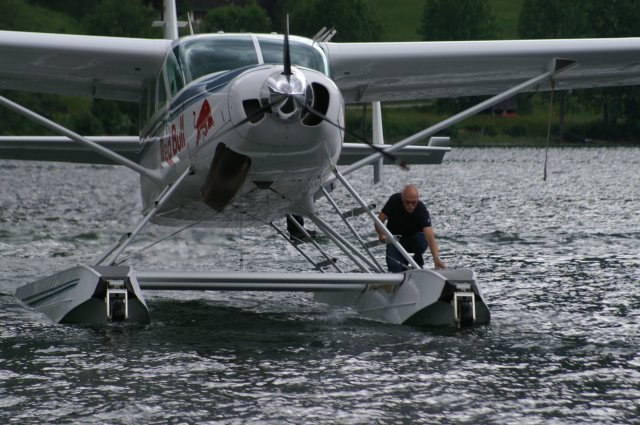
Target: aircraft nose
286 99
286 95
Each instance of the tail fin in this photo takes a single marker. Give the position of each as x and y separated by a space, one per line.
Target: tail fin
170 20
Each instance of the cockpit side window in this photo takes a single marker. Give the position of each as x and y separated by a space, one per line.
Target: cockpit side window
206 56
174 75
301 54
161 91
146 102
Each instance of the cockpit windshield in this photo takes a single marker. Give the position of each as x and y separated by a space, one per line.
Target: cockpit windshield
206 55
301 54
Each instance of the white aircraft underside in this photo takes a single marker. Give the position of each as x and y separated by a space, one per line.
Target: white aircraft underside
242 129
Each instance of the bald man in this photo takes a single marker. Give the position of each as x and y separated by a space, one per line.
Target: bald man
408 217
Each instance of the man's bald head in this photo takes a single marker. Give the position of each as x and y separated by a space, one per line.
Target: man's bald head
411 190
410 198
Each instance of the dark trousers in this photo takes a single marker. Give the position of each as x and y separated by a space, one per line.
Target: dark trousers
291 226
415 244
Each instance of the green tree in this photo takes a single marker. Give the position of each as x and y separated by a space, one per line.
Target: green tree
131 18
19 15
613 18
551 19
232 18
620 106
459 20
73 8
354 20
24 16
103 17
542 19
445 20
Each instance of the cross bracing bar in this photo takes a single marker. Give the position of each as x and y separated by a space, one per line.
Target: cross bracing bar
344 245
284 236
344 217
255 281
315 244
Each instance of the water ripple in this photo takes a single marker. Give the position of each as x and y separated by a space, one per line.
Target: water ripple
559 262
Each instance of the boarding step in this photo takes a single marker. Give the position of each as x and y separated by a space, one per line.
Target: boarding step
373 243
117 300
464 303
326 263
354 212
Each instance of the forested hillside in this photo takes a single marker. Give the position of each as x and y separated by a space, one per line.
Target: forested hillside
606 114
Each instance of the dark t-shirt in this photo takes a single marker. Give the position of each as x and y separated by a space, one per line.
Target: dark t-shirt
399 222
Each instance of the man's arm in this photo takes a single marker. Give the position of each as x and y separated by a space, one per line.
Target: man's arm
383 218
433 247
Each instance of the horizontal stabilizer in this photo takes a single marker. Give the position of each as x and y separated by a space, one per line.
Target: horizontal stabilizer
353 152
440 141
357 211
63 149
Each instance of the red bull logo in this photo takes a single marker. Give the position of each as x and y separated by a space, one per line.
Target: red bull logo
172 146
204 122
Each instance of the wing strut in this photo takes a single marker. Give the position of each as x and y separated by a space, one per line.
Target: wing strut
378 137
118 159
555 66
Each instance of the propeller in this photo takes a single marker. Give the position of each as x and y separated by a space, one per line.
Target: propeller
294 91
305 106
286 54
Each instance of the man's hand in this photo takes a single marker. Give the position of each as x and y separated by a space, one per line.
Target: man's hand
381 237
438 263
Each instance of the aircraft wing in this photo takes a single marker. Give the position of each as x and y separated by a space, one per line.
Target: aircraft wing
353 152
79 65
367 72
63 149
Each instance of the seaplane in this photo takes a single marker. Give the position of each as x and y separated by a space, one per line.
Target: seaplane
245 129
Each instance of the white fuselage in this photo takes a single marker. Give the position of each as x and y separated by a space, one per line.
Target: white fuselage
277 155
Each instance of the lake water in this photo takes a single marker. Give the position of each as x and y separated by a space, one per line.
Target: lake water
559 263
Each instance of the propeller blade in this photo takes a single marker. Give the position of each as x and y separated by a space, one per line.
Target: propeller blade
286 52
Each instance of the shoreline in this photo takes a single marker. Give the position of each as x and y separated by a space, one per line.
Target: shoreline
509 142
